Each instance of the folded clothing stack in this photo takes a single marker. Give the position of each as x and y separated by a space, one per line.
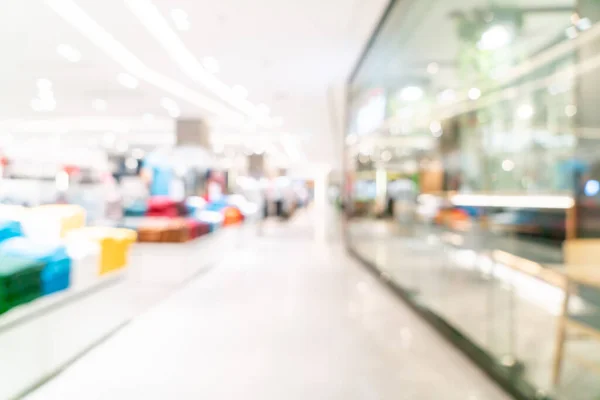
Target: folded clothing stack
20 281
161 206
114 245
56 275
136 209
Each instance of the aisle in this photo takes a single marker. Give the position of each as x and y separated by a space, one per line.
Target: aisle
284 317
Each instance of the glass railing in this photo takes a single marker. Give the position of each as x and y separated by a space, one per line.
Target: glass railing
512 178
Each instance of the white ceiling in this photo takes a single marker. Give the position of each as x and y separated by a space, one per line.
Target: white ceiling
286 53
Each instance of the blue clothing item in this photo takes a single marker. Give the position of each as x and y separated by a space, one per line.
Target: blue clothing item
568 173
161 181
10 229
136 209
216 205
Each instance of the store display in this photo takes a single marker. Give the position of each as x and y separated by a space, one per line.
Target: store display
56 275
114 245
232 216
53 221
20 281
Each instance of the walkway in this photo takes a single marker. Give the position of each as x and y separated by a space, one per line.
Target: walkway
283 317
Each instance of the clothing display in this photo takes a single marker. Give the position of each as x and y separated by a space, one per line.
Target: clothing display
20 281
56 275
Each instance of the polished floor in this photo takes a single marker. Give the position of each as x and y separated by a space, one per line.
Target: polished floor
510 315
282 316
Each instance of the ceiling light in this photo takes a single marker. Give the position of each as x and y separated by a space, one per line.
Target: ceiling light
570 110
148 118
433 68
44 84
584 24
211 65
68 53
571 32
525 111
240 91
592 187
180 18
137 153
263 109
411 93
447 96
203 73
436 128
127 80
386 155
494 38
99 105
78 18
474 93
508 165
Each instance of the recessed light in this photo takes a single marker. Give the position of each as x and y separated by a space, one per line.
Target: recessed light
211 65
128 81
433 68
525 111
411 93
508 165
240 91
68 52
495 38
148 117
474 93
99 105
436 128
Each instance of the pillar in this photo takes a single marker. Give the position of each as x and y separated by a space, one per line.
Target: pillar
587 119
193 132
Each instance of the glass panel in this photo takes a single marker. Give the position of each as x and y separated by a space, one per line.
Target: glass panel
490 109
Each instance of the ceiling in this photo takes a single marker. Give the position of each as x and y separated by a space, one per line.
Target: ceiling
286 54
420 32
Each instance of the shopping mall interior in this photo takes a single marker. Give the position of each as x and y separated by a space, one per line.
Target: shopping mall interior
342 199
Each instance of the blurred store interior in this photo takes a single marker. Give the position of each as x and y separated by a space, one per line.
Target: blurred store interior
283 199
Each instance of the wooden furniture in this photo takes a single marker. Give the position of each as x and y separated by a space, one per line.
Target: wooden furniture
582 280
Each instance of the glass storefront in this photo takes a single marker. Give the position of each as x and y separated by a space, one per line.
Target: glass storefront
489 109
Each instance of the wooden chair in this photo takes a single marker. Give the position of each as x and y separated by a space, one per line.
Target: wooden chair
582 273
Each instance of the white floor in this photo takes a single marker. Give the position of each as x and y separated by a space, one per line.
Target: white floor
283 317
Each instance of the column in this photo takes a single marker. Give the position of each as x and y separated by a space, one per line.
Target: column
193 132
